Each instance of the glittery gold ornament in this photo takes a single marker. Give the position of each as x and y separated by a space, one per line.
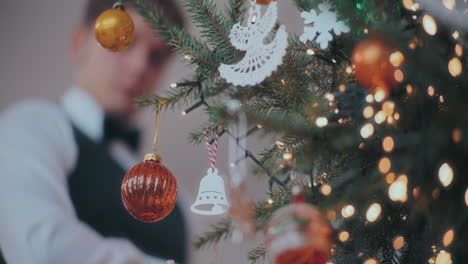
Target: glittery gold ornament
114 29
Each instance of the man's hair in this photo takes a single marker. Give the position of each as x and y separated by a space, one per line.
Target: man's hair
169 8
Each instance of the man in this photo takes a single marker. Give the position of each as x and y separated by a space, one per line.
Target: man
63 164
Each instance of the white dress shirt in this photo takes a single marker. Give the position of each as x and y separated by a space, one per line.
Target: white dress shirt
38 223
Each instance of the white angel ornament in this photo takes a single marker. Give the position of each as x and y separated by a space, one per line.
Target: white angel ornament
260 59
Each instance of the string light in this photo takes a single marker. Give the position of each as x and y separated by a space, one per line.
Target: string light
396 116
232 164
458 50
410 5
183 113
390 120
390 178
398 189
388 107
343 236
444 258
342 88
397 58
279 144
366 31
416 192
456 35
368 112
380 117
398 75
347 211
409 89
384 165
329 97
325 189
367 130
449 4
429 25
448 238
466 197
321 121
349 70
445 174
270 201
398 242
380 94
373 212
441 99
259 126
456 135
430 90
287 156
369 98
388 144
310 52
188 57
455 67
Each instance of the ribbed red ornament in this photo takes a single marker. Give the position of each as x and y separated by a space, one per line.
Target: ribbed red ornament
149 190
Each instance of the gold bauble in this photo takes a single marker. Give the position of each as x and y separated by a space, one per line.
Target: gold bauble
114 29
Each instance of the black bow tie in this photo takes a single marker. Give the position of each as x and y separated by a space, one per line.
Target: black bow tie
114 129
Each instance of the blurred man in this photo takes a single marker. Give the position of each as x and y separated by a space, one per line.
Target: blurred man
63 164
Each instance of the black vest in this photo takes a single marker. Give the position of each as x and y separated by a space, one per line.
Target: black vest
94 187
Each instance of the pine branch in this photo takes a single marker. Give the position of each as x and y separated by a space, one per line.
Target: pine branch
234 11
221 231
257 254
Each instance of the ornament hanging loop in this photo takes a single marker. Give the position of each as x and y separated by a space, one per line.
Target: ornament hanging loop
156 129
119 4
212 149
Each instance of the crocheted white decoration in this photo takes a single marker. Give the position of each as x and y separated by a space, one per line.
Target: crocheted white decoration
324 23
260 59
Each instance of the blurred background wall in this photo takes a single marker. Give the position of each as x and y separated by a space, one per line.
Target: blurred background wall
34 63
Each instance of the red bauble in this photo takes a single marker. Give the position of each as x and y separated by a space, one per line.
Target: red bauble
149 190
371 59
299 234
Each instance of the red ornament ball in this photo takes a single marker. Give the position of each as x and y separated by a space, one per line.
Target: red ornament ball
149 190
372 64
299 234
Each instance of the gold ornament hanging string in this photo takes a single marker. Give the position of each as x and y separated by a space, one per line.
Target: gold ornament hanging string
156 129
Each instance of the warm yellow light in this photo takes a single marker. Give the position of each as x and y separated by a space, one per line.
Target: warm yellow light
342 88
388 144
287 156
369 98
373 212
466 197
445 174
371 261
398 75
384 165
343 236
443 258
367 130
457 135
398 189
409 89
397 58
429 25
368 112
349 70
398 242
390 120
321 121
380 95
448 237
430 90
412 45
390 178
455 67
456 35
388 107
410 5
458 50
330 97
325 189
270 201
441 99
279 144
416 192
347 211
366 31
449 4
259 126
396 116
380 117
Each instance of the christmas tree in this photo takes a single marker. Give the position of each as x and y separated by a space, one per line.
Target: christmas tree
369 103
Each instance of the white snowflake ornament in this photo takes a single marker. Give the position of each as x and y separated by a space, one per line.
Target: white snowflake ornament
260 59
323 24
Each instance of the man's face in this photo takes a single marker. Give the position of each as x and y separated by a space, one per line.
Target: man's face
114 79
